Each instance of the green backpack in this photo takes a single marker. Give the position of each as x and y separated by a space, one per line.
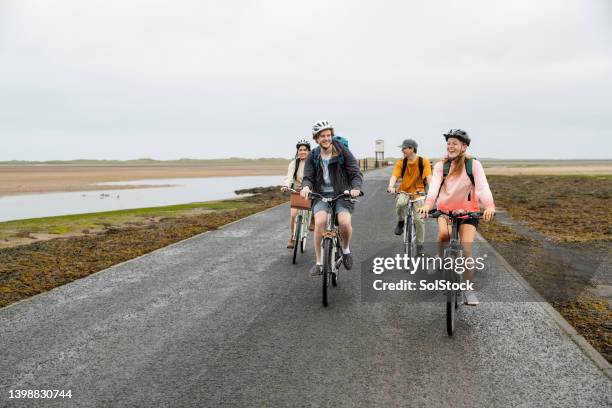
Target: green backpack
468 169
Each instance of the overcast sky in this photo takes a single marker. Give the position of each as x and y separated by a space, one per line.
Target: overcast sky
122 79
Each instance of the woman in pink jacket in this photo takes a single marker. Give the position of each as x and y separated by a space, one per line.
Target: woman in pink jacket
456 192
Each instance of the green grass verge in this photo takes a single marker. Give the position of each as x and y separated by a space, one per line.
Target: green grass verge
77 223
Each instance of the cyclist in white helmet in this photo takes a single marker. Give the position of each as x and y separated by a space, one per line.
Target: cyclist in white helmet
295 173
330 170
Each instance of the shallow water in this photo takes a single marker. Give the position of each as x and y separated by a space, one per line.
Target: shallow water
181 191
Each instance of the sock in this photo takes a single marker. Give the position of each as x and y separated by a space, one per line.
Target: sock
346 251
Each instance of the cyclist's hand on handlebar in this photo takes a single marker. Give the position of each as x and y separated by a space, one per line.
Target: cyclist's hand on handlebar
355 193
487 215
424 210
304 192
391 190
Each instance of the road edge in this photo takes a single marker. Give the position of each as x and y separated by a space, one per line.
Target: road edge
140 256
580 341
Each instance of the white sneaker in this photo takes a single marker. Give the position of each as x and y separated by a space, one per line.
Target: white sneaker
469 298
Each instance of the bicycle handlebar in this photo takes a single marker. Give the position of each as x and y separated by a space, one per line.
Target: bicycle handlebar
346 194
453 215
420 195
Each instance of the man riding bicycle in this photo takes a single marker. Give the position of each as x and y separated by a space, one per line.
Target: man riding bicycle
330 170
415 173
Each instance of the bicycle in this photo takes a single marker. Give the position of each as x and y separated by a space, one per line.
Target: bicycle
300 227
331 249
454 251
409 234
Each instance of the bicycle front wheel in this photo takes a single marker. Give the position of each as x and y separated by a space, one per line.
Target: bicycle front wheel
305 222
327 267
298 236
409 235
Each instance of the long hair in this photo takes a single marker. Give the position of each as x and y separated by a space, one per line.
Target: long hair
459 163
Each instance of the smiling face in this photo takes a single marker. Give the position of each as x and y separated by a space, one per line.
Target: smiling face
302 152
455 147
325 139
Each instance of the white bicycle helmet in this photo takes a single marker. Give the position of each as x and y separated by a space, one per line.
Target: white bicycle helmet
302 142
320 126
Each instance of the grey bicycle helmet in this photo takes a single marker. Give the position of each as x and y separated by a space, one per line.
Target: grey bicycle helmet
458 134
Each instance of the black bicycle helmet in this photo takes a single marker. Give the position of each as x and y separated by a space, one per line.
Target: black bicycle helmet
458 134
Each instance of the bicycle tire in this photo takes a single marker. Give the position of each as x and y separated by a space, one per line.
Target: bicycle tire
305 221
451 310
405 235
451 301
298 236
327 252
335 276
409 237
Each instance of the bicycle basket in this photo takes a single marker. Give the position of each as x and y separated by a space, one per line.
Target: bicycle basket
300 203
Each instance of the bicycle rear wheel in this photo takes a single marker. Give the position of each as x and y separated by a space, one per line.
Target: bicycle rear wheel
298 236
327 268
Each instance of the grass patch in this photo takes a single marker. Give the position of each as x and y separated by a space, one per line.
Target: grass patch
76 223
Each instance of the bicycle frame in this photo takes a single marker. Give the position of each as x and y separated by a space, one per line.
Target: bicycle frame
305 217
409 227
300 229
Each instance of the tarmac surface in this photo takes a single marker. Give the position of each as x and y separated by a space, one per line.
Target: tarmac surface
225 319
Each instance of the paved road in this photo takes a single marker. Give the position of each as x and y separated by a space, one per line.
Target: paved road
223 319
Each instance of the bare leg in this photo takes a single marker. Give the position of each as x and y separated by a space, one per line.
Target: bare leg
320 220
443 234
294 212
467 232
346 229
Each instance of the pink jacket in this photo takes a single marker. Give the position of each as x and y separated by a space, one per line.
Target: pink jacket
457 187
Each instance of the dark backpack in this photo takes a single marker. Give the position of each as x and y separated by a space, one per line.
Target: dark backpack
316 154
421 167
468 170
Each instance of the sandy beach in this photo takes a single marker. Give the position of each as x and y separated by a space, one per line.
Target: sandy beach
16 180
31 179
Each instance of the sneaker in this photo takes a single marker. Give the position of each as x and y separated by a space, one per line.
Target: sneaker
291 244
316 270
347 260
420 250
399 229
469 298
